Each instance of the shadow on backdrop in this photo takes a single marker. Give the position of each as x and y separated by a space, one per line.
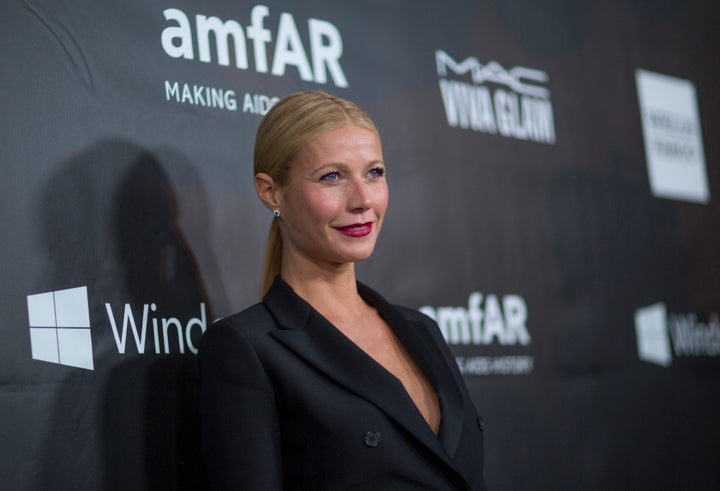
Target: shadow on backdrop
111 224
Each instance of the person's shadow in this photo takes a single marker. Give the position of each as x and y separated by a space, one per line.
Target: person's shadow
111 224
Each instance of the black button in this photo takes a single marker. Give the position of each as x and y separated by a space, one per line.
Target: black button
481 423
372 439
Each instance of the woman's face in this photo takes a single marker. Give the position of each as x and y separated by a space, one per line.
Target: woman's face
335 199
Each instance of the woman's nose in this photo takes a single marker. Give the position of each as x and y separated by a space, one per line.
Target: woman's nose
360 197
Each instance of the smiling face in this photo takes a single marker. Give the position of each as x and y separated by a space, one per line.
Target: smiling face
335 199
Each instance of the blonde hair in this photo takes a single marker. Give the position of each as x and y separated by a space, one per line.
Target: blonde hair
289 125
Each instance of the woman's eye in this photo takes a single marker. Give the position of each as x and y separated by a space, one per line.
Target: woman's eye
330 176
377 172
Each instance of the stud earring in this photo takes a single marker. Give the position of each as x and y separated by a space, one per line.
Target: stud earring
276 212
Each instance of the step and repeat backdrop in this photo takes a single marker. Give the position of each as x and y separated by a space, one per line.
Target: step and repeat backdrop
554 183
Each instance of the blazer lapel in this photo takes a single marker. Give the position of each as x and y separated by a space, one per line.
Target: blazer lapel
312 337
426 353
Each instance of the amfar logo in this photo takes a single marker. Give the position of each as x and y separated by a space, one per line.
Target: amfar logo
521 109
504 323
60 328
673 137
654 329
487 319
325 43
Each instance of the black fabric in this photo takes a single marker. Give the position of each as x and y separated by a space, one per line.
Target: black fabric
288 402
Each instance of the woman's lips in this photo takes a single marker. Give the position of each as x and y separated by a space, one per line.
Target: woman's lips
356 229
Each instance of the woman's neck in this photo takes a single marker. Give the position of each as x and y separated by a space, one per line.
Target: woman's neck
330 289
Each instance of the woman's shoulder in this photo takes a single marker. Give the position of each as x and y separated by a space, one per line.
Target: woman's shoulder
248 323
254 314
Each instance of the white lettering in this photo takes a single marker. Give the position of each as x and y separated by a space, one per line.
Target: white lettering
166 323
499 365
692 338
289 49
494 326
172 90
153 307
505 323
248 104
473 107
258 103
325 42
184 333
475 315
222 31
200 322
523 112
187 95
515 318
181 32
454 324
494 72
199 95
259 36
326 55
230 100
128 318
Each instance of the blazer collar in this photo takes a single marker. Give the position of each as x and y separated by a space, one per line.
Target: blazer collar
425 352
312 337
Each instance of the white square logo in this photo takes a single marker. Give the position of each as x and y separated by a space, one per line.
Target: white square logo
60 327
673 137
653 340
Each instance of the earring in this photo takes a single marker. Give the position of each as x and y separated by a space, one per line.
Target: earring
276 212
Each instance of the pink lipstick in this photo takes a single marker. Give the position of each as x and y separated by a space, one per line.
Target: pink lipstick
356 229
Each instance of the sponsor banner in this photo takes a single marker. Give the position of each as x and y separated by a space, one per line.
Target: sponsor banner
132 221
488 320
60 328
495 365
691 338
262 42
513 103
673 137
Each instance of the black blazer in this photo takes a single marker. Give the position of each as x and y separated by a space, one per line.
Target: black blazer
289 402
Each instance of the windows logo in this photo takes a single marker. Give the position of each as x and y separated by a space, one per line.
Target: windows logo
60 327
653 341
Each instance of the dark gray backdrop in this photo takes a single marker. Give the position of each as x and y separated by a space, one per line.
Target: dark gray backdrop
108 184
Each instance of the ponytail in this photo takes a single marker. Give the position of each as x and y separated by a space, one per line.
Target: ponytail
273 258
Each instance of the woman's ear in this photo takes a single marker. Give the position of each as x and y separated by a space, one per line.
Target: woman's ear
267 190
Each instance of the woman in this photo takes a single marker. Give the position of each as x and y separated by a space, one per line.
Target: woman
324 384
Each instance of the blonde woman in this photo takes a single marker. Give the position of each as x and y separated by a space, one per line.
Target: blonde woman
325 385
